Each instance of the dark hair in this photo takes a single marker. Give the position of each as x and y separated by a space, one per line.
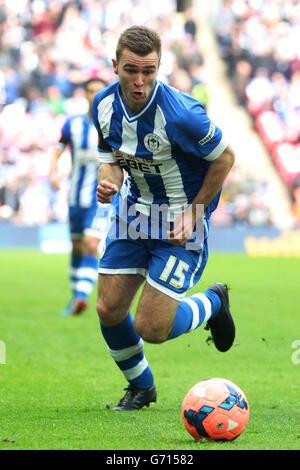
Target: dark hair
140 40
92 80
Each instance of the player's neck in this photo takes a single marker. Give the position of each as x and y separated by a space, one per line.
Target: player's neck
130 106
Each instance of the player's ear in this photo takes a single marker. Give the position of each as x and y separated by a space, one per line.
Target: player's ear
115 66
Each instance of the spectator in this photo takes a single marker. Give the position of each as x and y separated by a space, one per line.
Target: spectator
55 101
260 92
245 200
34 203
190 26
259 40
12 84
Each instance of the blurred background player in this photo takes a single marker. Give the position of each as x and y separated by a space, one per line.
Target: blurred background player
80 135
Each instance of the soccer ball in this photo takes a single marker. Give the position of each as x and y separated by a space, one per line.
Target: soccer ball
215 409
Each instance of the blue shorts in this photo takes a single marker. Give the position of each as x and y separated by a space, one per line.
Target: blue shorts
91 221
170 269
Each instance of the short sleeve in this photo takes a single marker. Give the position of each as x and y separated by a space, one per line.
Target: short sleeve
65 137
105 152
197 134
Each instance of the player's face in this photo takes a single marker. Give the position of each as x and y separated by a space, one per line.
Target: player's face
137 76
91 91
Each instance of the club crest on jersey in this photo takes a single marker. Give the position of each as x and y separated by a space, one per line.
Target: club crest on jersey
152 143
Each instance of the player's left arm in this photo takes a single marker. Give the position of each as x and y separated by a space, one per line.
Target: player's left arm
214 179
197 135
212 184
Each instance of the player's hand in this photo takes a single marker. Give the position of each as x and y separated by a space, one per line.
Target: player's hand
183 228
105 191
54 181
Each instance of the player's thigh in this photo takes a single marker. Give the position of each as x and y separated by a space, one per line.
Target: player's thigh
174 269
155 314
115 295
124 256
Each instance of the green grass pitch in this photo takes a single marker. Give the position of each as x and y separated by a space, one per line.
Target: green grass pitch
59 382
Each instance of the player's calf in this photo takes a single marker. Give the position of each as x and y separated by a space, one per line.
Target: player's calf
155 315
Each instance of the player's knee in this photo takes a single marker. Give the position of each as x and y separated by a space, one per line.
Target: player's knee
109 313
105 311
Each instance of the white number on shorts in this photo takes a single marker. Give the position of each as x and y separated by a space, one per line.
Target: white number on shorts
179 272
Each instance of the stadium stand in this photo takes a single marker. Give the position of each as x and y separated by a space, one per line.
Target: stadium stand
259 40
48 49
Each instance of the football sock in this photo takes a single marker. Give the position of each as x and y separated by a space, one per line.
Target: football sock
86 275
74 265
127 349
193 311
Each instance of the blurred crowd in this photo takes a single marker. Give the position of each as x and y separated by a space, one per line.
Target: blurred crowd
48 48
260 41
245 200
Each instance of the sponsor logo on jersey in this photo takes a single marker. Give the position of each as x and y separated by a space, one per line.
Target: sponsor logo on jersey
208 136
146 166
152 143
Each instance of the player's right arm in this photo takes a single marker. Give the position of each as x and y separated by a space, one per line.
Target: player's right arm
61 146
110 174
53 172
110 180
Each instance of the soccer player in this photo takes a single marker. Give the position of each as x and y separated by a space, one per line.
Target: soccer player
80 135
175 157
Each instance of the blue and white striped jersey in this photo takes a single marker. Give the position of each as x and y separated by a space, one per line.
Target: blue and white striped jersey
166 147
79 132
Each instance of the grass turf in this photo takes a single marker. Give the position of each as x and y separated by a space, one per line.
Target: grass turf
59 382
